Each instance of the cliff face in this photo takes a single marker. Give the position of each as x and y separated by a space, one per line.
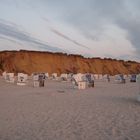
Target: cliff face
31 61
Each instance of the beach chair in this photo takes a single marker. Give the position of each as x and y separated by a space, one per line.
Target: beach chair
64 77
100 76
10 77
89 80
69 77
78 82
122 78
54 76
96 77
39 80
35 80
82 81
22 79
133 78
119 78
4 75
106 77
46 75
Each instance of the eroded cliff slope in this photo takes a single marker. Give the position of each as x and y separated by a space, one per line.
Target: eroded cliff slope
33 61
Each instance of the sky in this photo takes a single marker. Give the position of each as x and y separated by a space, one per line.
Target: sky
92 28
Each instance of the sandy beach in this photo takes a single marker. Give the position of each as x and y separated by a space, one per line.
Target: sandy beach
58 112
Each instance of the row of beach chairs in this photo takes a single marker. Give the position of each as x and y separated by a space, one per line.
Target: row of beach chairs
80 81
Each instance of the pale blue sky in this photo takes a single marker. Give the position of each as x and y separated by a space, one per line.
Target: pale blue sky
93 28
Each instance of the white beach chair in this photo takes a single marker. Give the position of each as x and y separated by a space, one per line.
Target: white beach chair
81 81
46 75
106 77
100 76
39 80
22 79
76 79
96 76
4 75
10 77
119 78
64 77
54 76
82 85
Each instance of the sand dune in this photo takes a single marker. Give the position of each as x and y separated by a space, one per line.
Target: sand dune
58 112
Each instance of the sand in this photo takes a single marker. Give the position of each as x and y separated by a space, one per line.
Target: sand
58 112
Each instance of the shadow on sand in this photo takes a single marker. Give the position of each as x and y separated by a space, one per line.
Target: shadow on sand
129 100
123 100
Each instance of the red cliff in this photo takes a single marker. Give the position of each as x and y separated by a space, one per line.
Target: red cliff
34 61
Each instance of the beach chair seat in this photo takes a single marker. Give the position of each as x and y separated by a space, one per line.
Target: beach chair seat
36 83
82 85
